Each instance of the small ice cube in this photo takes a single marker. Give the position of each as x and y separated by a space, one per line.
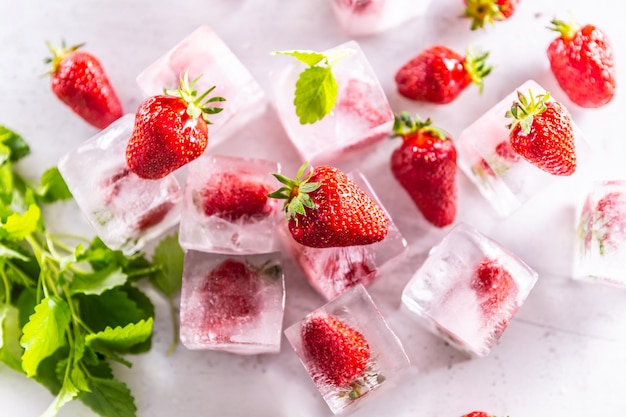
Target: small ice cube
468 289
361 116
203 53
232 303
502 176
125 210
226 208
348 349
601 234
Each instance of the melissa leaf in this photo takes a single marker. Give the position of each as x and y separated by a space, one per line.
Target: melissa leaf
168 256
120 338
99 281
109 398
18 226
53 187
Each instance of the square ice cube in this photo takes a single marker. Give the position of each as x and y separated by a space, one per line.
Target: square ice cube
125 210
501 175
368 17
468 289
332 271
348 349
203 53
232 303
226 208
361 116
601 234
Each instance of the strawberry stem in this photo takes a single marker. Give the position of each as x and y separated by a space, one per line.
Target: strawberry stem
483 11
196 105
404 125
476 66
525 109
567 30
296 192
58 54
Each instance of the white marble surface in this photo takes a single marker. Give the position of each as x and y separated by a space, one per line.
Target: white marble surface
562 355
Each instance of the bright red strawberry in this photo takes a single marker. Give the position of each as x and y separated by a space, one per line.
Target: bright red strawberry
542 133
493 284
326 209
170 130
337 353
581 59
477 414
488 11
438 74
425 165
229 197
78 80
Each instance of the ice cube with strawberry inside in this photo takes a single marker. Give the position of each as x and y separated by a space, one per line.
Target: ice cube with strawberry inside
348 349
226 208
125 211
232 303
468 290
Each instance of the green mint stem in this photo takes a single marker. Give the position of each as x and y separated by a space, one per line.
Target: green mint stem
175 328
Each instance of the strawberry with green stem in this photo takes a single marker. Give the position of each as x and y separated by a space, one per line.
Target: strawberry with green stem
170 130
483 12
325 208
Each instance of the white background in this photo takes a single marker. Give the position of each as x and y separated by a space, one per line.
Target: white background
563 354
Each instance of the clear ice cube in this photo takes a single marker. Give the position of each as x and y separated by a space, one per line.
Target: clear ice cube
203 53
502 176
332 271
468 289
232 303
601 234
368 17
384 358
125 210
361 116
226 208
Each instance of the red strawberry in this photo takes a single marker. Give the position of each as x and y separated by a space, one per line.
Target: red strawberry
581 59
345 269
504 154
170 130
477 414
488 11
610 221
154 216
79 81
438 74
355 99
229 197
425 165
543 134
493 284
327 209
337 353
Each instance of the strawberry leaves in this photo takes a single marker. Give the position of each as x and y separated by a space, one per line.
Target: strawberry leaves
296 192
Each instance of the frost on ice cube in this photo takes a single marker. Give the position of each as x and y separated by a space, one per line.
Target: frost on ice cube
501 175
332 271
226 208
601 234
368 17
468 289
203 53
125 210
232 303
361 116
348 349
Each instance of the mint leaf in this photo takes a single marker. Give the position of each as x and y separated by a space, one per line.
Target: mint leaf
67 393
9 253
120 338
6 186
10 333
18 146
316 94
308 57
45 332
98 282
18 226
112 308
53 187
109 398
169 257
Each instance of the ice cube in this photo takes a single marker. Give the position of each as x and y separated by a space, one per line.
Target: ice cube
348 349
368 17
468 289
232 303
203 53
226 208
125 210
502 176
361 116
601 234
332 271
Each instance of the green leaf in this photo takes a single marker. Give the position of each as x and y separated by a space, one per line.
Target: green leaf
47 371
120 338
6 184
169 257
18 226
316 94
18 146
308 57
109 398
9 253
10 333
45 332
97 282
112 308
53 187
67 393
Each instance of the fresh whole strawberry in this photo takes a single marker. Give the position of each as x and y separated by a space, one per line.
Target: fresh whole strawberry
493 284
78 79
326 209
337 353
488 11
425 165
170 130
439 75
231 198
542 133
581 59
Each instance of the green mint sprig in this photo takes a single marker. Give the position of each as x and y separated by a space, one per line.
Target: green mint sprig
69 306
316 88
